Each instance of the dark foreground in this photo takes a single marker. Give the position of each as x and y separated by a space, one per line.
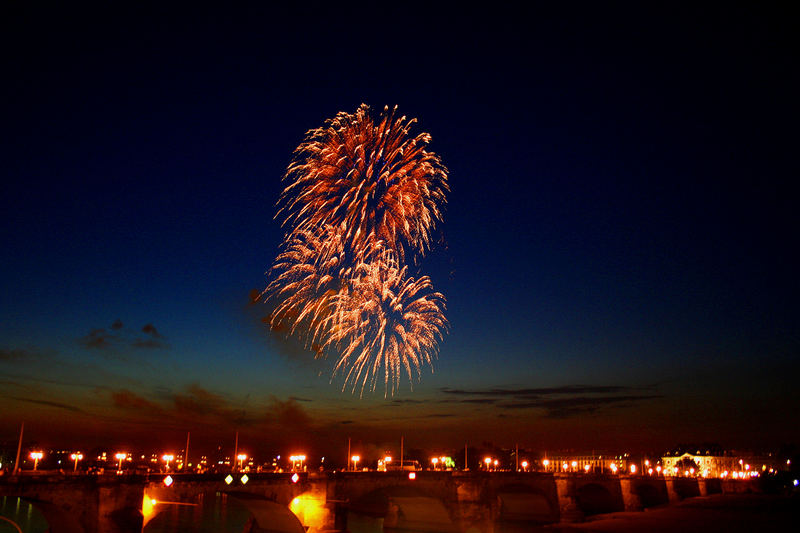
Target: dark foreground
709 514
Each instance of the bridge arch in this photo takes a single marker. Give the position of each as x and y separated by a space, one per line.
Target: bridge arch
594 498
650 495
521 502
405 507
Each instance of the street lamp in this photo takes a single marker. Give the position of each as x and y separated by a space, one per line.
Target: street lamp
546 463
355 459
525 466
241 457
488 461
76 457
36 456
167 458
496 462
120 457
298 458
435 461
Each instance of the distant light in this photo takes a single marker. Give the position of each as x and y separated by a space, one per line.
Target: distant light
586 468
574 464
795 482
295 478
229 479
387 459
153 501
168 481
546 463
633 469
413 475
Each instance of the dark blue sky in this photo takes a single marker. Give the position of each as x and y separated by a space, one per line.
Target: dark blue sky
618 252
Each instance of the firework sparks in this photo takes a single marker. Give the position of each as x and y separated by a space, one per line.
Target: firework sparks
387 321
362 196
371 178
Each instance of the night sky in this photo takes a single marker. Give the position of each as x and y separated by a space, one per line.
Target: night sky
618 251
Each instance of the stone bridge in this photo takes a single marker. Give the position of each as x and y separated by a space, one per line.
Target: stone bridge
457 502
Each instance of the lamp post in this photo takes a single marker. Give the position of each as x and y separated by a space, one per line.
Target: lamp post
488 461
76 457
167 458
120 457
241 457
355 459
36 456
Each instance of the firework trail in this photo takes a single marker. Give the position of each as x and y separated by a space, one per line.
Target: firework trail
362 195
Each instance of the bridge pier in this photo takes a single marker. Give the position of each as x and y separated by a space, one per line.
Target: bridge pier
630 498
569 510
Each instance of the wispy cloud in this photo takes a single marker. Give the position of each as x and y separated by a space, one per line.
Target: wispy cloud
556 402
47 403
118 337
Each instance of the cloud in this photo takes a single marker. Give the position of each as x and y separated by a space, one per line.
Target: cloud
545 391
15 354
47 403
125 399
120 338
99 339
151 330
556 402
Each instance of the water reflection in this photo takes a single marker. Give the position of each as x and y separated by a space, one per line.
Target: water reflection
23 514
220 514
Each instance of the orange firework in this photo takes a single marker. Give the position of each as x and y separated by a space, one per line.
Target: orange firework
371 178
385 322
362 195
307 275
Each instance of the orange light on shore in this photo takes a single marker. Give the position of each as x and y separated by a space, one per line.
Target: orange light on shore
76 457
36 456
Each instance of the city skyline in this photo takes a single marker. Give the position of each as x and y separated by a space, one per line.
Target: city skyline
616 250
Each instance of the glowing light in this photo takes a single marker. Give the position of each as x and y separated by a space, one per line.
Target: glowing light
795 482
120 457
295 478
658 469
361 196
574 464
167 457
168 481
76 457
488 461
546 463
310 509
524 465
586 468
614 468
387 459
228 479
650 471
633 469
412 476
245 479
36 456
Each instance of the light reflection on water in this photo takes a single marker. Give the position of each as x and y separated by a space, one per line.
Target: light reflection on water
25 515
220 514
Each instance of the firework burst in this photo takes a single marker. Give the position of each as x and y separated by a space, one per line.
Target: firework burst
362 196
386 323
369 177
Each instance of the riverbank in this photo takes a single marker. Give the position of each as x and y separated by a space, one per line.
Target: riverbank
709 514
